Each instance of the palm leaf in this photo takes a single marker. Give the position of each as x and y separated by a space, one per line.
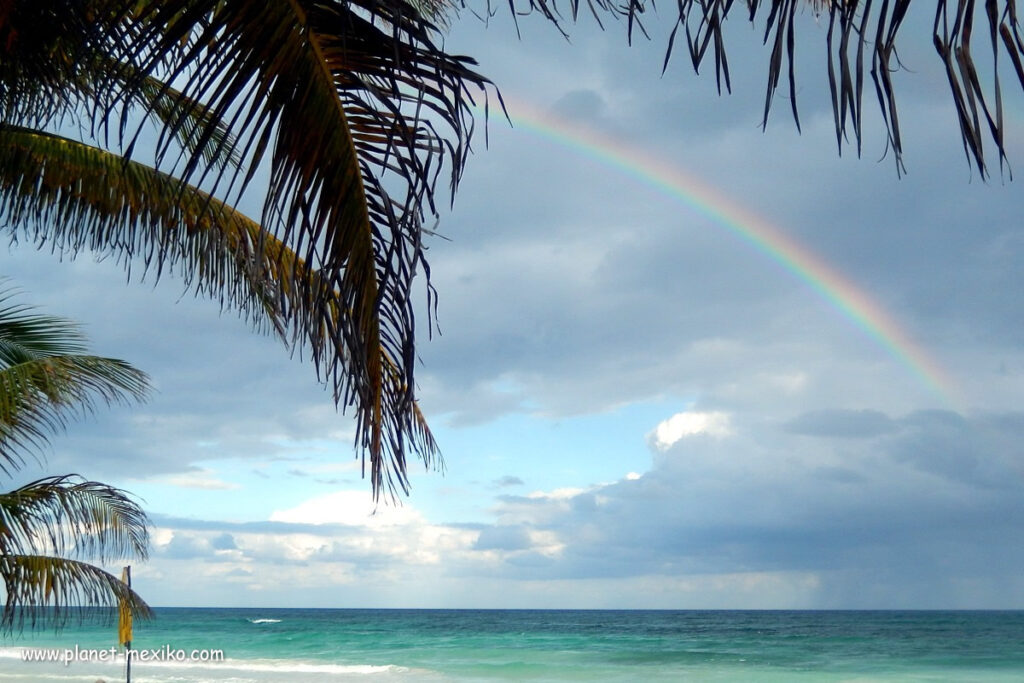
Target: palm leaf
43 47
45 376
862 35
47 379
54 590
341 99
70 196
70 516
57 62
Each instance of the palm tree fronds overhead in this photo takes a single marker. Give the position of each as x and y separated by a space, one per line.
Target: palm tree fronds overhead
353 108
861 41
343 100
70 196
44 44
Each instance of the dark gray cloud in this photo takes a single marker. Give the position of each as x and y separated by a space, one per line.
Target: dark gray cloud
584 105
841 423
984 452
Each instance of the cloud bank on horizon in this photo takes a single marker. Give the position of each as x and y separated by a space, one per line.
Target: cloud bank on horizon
637 408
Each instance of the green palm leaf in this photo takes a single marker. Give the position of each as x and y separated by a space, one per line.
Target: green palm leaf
70 516
53 590
51 528
46 379
71 196
342 107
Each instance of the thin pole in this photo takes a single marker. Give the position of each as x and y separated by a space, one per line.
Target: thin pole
128 643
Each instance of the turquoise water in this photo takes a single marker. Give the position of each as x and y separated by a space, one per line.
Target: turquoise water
262 645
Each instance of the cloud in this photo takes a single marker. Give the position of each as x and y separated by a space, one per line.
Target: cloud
223 542
325 542
689 423
507 481
200 479
503 538
183 546
587 105
764 518
842 513
353 508
842 423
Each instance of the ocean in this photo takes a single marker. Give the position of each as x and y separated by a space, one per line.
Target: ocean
332 645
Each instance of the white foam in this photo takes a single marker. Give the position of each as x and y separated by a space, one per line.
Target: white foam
281 666
229 670
264 621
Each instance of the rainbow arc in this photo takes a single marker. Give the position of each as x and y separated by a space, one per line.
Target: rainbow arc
851 301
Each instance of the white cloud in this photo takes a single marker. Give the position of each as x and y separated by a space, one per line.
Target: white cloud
199 480
558 494
352 508
689 423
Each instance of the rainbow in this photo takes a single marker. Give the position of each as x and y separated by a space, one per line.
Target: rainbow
669 179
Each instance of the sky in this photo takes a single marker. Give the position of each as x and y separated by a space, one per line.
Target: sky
681 363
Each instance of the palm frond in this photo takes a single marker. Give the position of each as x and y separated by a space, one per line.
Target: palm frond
72 517
51 591
46 379
862 37
69 196
38 397
187 122
45 46
342 99
56 61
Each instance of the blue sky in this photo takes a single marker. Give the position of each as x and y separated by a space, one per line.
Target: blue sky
635 408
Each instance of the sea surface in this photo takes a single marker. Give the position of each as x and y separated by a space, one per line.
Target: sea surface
331 645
